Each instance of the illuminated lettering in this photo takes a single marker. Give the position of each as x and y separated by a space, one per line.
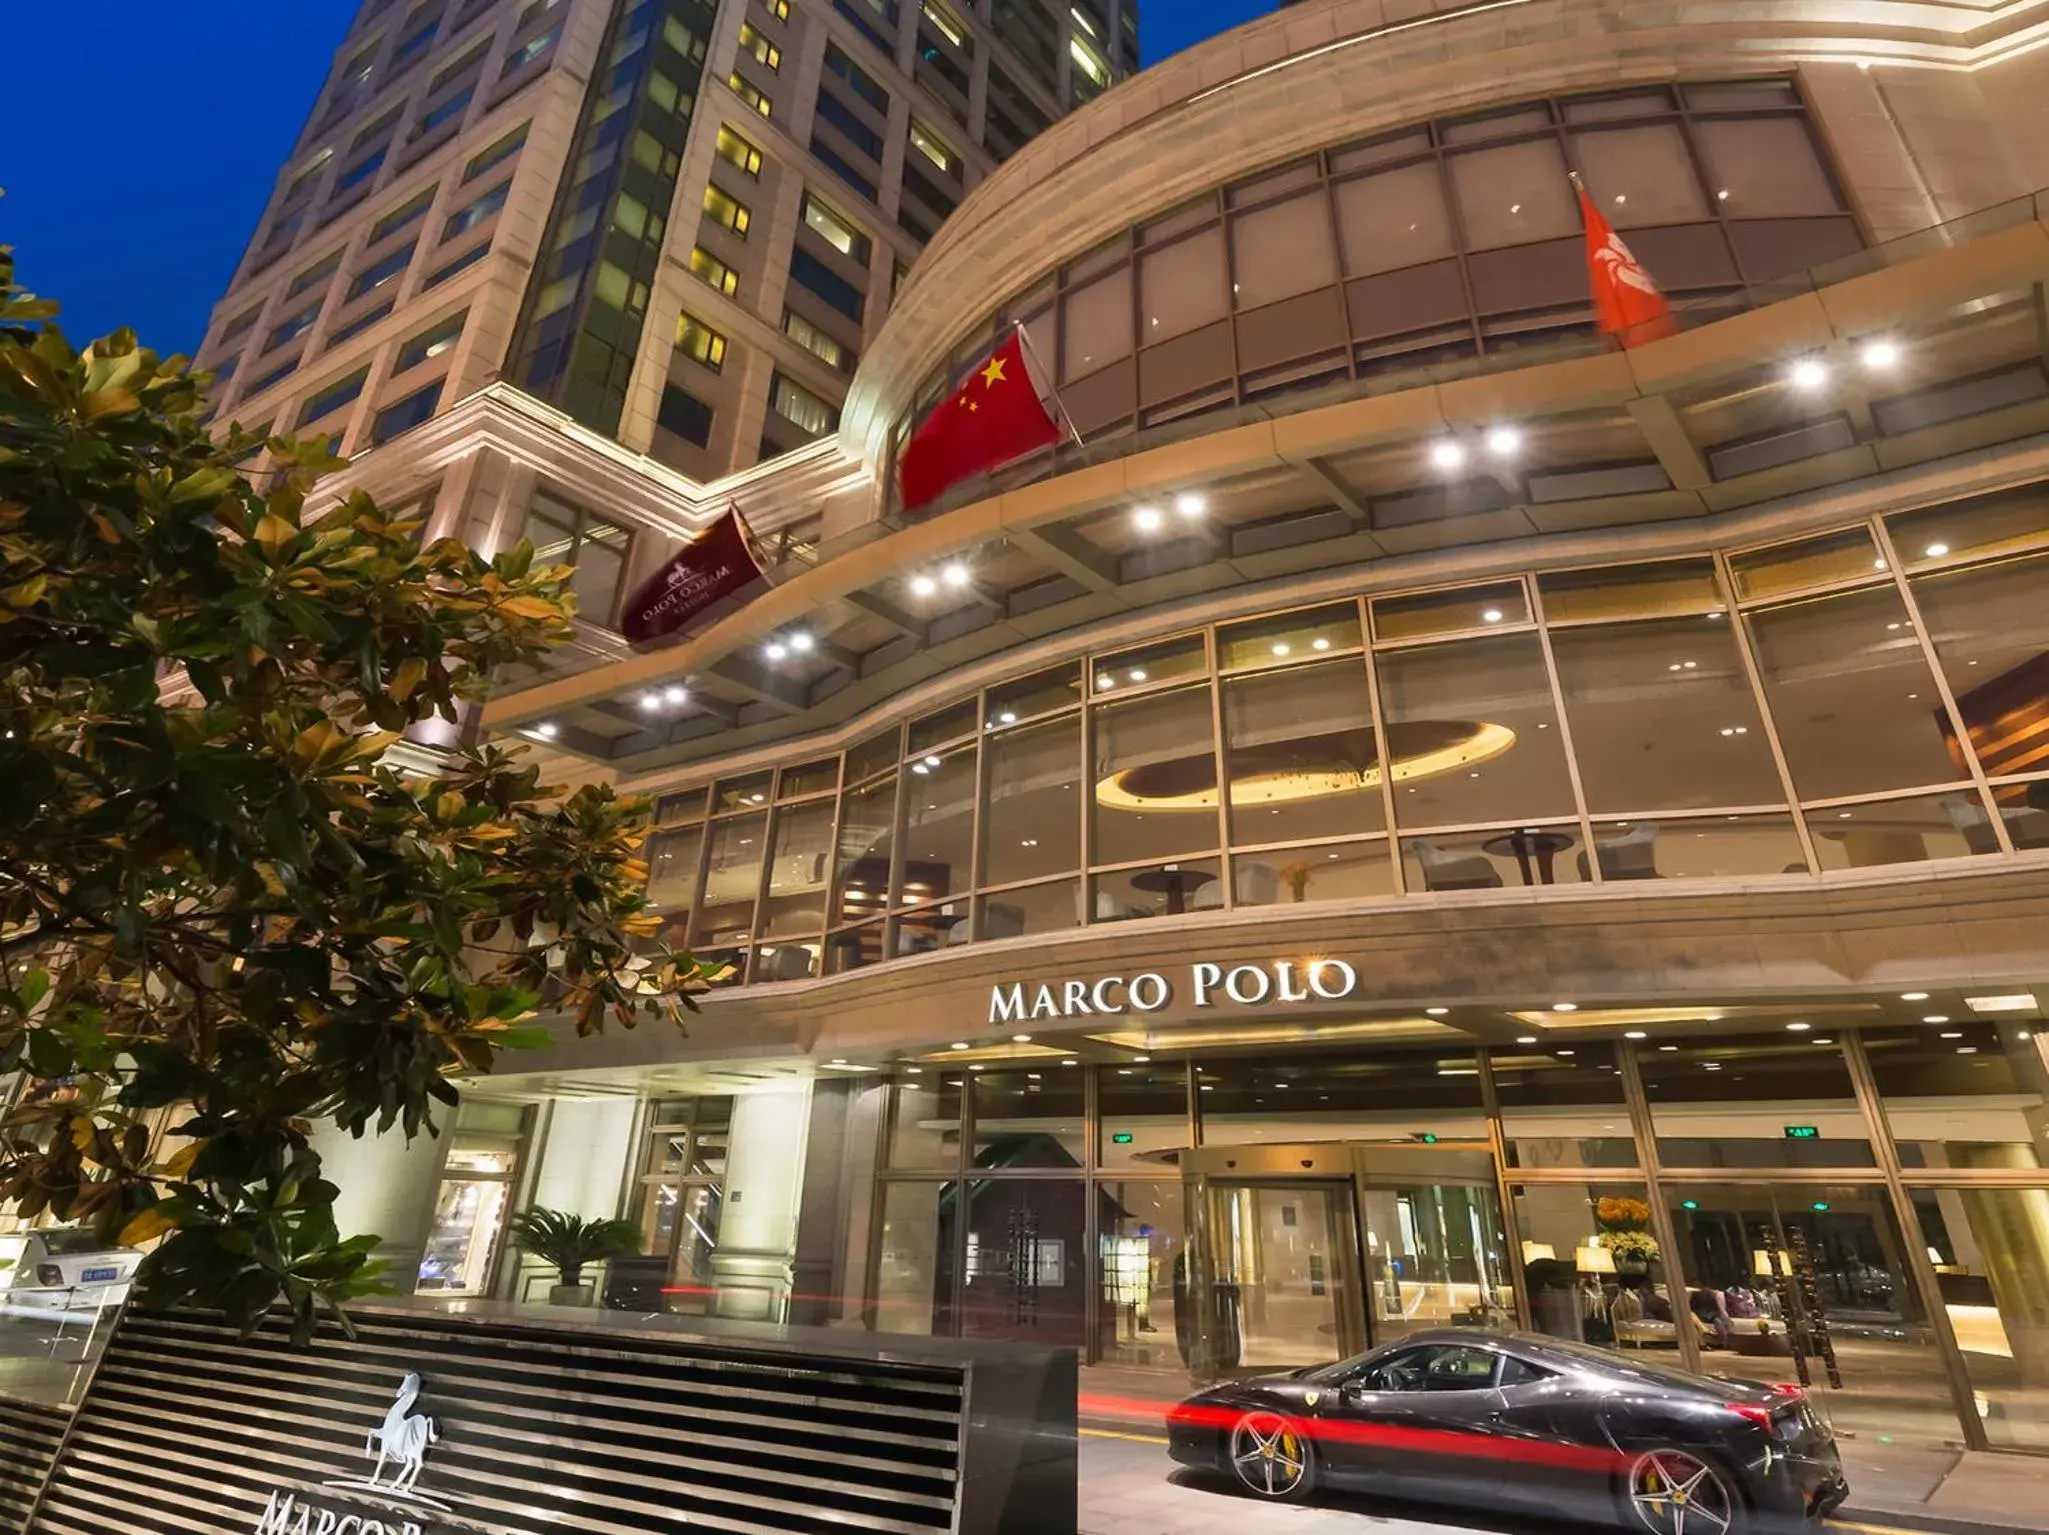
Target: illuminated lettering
1007 1005
1324 967
1206 977
1043 1005
1074 998
1285 972
1238 995
1155 987
1099 999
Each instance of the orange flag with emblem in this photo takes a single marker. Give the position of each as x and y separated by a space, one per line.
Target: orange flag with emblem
995 416
1627 304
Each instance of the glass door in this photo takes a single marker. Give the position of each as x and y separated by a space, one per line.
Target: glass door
1284 1260
1436 1256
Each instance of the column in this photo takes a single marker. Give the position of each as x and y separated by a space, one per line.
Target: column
388 1187
752 1267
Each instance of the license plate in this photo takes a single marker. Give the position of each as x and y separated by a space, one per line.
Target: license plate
100 1276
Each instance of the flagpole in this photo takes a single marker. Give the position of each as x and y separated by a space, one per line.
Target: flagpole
1025 340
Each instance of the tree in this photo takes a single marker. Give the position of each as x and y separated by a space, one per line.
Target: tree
230 890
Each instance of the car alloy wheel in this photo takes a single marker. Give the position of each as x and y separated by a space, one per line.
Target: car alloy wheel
1269 1455
1674 1493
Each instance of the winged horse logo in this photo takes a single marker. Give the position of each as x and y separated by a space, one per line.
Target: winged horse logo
401 1440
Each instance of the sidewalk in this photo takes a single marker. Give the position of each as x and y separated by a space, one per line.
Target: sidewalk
1892 1486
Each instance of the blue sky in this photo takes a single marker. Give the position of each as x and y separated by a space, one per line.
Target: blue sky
146 138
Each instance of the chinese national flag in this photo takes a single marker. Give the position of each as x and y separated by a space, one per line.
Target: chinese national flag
994 417
1627 304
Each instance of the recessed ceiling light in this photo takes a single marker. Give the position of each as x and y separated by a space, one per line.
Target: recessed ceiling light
957 574
914 1071
1526 1039
1798 1028
978 1067
1137 674
931 761
1636 1034
546 730
1809 373
1106 682
923 586
1437 1012
1913 996
1022 1039
1564 1007
1936 1018
1008 717
1952 1034
1565 1052
960 1044
649 702
838 1060
1189 504
1447 454
1140 1060
1668 1049
2006 1002
777 650
675 693
1281 647
1070 1063
802 643
1493 616
1503 441
1936 551
1319 644
1147 519
1881 353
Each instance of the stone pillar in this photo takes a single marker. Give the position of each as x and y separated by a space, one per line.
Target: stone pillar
388 1187
752 1267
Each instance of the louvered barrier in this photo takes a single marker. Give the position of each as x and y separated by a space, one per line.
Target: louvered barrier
526 1421
29 1435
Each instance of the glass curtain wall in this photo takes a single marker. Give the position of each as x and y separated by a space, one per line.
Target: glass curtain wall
1865 1211
1871 697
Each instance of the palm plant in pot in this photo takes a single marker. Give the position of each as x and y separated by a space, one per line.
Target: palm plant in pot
572 1243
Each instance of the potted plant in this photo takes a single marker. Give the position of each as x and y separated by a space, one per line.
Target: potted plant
571 1242
1625 1232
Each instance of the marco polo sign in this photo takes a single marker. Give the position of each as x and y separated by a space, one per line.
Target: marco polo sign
1203 984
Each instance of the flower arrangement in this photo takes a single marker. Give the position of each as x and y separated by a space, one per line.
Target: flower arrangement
1630 1244
1620 1214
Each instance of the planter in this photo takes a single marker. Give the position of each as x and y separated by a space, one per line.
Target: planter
572 1295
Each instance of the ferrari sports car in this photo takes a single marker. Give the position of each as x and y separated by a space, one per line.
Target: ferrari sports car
1524 1422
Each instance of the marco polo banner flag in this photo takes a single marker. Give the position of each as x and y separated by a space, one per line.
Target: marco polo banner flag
994 417
1627 304
717 563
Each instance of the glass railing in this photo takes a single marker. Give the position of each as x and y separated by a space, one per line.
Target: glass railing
51 1336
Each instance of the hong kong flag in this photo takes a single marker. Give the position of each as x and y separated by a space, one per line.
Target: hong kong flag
994 417
1627 304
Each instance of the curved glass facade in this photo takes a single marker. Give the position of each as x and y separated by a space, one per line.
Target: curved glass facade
1443 240
1873 695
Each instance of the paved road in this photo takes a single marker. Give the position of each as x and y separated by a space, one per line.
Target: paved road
1130 1487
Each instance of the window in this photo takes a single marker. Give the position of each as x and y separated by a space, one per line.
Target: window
361 171
533 13
468 258
816 342
415 45
700 342
533 50
475 212
933 148
595 548
455 71
239 326
1090 62
359 324
863 83
766 53
735 150
780 9
380 272
292 326
808 271
748 92
431 342
835 230
400 217
1445 1367
801 408
948 24
302 184
616 287
722 210
407 413
378 129
319 272
686 415
333 397
836 162
272 377
449 110
843 117
710 269
496 155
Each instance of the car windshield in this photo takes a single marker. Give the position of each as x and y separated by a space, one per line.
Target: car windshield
68 1244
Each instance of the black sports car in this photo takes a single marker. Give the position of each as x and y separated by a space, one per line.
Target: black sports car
1521 1421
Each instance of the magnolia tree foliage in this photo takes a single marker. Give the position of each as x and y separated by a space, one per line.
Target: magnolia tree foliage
224 911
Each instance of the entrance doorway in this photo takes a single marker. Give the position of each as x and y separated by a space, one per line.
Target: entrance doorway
1318 1252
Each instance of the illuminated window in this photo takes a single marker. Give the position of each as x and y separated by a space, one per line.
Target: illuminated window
725 212
802 409
1090 62
699 341
933 148
766 53
836 231
815 341
750 93
430 343
948 24
735 150
780 9
714 271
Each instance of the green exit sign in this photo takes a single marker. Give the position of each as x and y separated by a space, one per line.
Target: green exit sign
1121 1138
1427 1137
1803 1132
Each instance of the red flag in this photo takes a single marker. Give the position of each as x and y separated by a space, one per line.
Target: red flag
1627 303
715 564
994 417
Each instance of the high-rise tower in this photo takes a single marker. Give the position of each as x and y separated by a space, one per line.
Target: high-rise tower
679 221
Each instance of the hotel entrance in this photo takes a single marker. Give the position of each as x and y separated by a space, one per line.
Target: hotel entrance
1310 1253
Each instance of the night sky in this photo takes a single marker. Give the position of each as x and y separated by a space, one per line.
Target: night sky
146 139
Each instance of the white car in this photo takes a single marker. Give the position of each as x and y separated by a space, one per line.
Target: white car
66 1269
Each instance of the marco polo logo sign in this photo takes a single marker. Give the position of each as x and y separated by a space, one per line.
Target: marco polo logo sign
1280 981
